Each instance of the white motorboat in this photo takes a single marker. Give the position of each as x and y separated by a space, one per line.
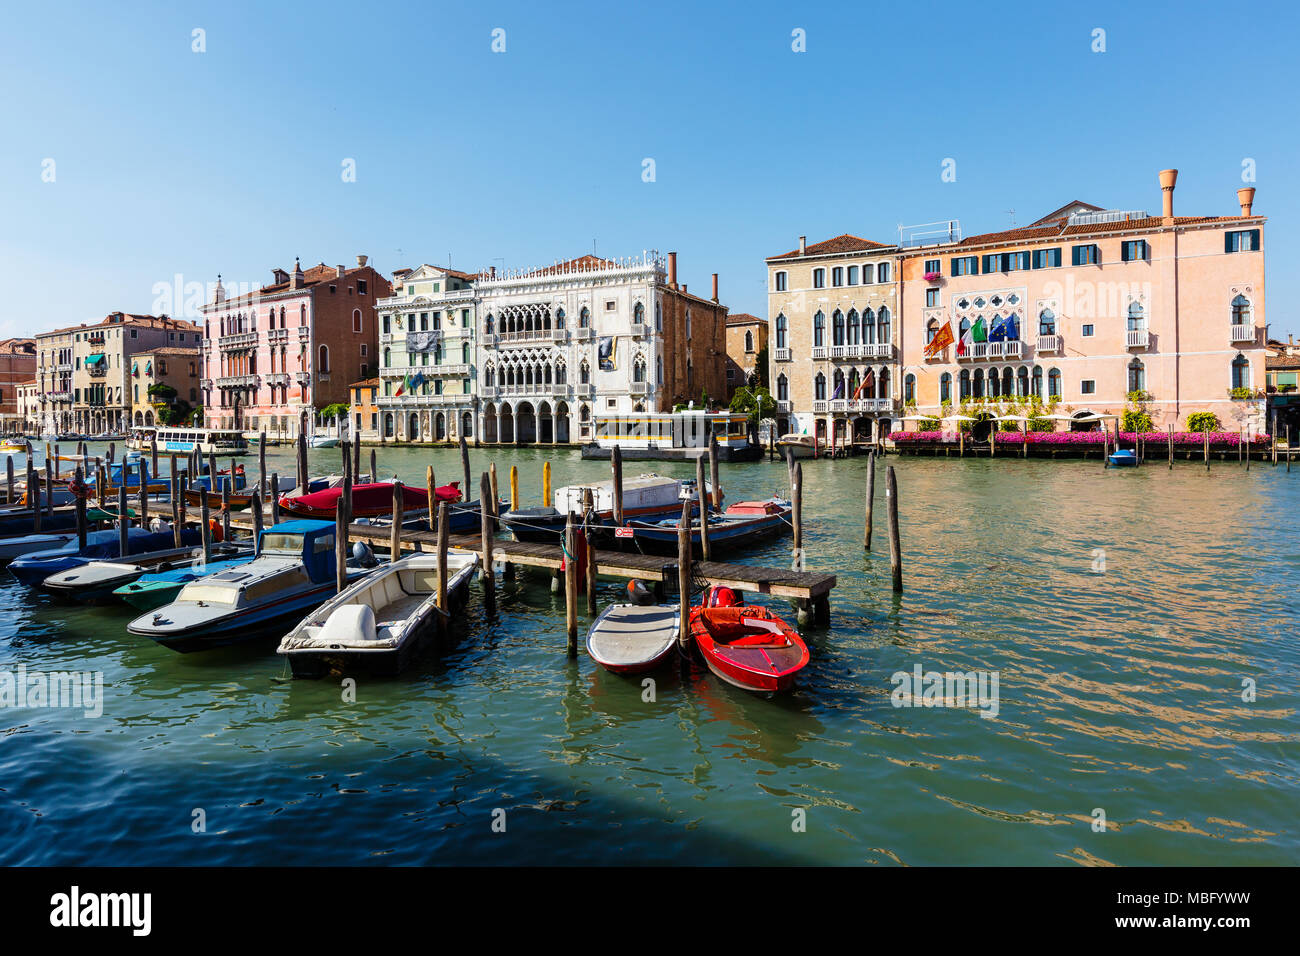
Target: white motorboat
380 623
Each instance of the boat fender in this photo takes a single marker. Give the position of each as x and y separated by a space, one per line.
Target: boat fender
214 526
639 593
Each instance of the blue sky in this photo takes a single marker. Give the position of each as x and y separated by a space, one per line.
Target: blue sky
168 161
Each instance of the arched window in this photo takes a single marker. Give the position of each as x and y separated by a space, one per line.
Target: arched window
837 383
782 331
819 329
323 364
868 327
1137 320
1038 381
388 357
1047 322
837 328
1137 376
1240 372
688 324
487 324
819 387
489 376
749 341
584 318
978 384
1022 382
638 313
638 370
1008 389
302 316
854 335
882 384
1054 383
931 330
882 321
909 388
659 370
559 318
584 373
945 387
465 354
1241 310
356 320
965 383
782 388
659 318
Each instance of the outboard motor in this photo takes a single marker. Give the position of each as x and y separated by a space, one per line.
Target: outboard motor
639 593
363 556
719 596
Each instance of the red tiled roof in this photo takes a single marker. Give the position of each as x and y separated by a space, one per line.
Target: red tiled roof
1061 229
840 244
744 318
366 384
171 350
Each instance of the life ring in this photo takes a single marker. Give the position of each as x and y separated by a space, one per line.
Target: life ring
79 489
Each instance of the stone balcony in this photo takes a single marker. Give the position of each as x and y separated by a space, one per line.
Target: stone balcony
992 351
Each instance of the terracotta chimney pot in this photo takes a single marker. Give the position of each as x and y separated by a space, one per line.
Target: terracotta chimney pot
1168 177
1246 196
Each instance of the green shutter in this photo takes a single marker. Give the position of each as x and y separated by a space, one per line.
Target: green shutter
1227 242
1254 240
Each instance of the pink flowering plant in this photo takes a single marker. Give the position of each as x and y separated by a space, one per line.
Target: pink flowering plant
1081 439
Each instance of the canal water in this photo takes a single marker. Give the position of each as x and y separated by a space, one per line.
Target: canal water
1141 625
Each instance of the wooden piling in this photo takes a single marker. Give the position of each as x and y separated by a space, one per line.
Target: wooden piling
703 498
275 498
81 510
395 536
34 496
716 489
492 487
1241 441
587 507
444 535
514 488
571 572
123 523
1171 446
213 480
374 466
1288 452
871 498
342 546
53 463
1207 449
431 486
616 466
143 517
302 461
796 513
174 492
546 483
895 548
9 479
487 574
261 463
464 468
153 457
684 576
356 459
258 523
49 491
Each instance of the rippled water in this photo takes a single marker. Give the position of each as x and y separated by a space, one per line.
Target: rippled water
1118 690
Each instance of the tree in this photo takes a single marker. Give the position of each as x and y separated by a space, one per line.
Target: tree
756 402
762 368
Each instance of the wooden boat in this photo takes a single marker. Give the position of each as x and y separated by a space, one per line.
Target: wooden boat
803 446
1124 458
380 623
749 647
292 573
631 638
99 579
741 525
368 501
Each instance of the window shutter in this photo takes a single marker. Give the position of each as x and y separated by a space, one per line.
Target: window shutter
1123 252
1227 242
1254 240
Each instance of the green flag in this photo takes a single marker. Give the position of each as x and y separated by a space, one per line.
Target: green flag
978 332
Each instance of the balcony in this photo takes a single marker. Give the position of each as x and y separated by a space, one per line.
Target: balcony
848 405
277 336
585 391
98 370
304 333
639 388
559 336
820 352
1048 343
782 355
872 350
1243 333
992 351
322 376
237 381
63 367
278 378
582 335
489 392
205 383
422 401
240 340
1137 338
638 329
941 356
507 339
302 378
430 371
784 406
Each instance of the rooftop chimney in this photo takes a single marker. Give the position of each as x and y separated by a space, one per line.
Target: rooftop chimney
340 270
295 281
715 287
492 272
361 261
1246 196
672 269
803 245
1167 179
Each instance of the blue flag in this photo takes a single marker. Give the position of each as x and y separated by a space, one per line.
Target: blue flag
417 381
839 390
1013 330
998 331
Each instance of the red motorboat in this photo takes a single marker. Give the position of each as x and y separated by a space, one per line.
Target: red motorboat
368 501
749 647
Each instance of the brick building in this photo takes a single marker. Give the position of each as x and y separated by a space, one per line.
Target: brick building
746 339
17 367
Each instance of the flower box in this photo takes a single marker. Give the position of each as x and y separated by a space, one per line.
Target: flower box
933 276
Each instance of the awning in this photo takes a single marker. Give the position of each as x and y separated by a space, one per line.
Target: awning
95 359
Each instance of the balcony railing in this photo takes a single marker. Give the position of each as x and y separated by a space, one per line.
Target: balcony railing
237 381
240 340
784 405
1243 333
302 378
639 388
851 405
98 370
275 336
430 371
518 338
585 391
277 378
304 333
638 328
820 352
940 356
883 350
1137 338
407 400
1048 343
582 335
993 351
782 355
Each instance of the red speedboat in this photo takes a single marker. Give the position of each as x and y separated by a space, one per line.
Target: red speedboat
749 647
368 501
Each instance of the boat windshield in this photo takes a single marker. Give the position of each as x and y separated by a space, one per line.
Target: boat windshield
279 541
208 593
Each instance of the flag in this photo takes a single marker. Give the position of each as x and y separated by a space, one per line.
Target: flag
839 390
1013 330
858 391
942 339
406 380
977 332
964 346
417 381
998 332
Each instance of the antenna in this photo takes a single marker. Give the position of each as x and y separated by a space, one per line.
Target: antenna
1012 214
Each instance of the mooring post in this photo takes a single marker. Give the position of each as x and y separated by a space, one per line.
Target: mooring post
34 496
340 549
871 497
356 458
961 441
1241 441
49 491
374 466
487 572
1171 446
492 487
444 538
395 536
53 462
431 490
514 488
174 492
1273 437
895 548
616 467
275 498
258 521
571 572
464 468
225 510
703 499
1207 449
144 498
684 576
81 509
716 491
123 522
1288 452
153 458
587 506
546 483
789 467
9 479
302 462
796 513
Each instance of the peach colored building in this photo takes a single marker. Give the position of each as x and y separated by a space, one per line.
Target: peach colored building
1093 305
746 338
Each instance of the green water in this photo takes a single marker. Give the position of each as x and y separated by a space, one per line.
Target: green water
1120 690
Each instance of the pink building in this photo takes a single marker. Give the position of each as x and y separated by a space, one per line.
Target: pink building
290 346
1090 305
